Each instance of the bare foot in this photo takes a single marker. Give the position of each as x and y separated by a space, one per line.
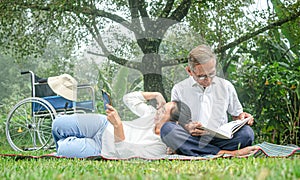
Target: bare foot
240 152
170 151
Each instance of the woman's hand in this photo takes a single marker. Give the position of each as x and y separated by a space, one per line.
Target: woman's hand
113 116
160 100
115 120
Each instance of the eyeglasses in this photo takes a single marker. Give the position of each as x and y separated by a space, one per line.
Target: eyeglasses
201 78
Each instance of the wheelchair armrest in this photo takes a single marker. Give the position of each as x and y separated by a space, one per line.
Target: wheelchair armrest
42 80
86 86
83 85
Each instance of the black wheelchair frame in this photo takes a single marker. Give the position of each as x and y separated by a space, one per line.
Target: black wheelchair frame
28 125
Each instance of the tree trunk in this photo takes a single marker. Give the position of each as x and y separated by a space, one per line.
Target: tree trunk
152 74
153 83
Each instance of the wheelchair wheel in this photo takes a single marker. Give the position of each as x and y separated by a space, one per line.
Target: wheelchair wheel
28 125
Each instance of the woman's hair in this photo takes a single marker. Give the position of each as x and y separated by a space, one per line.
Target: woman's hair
200 55
181 113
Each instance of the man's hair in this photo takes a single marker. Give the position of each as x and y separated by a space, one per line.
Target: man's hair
200 55
181 113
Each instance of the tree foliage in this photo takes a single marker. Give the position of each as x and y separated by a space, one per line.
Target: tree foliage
29 25
257 48
267 78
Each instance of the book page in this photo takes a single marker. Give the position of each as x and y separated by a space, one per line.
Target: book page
227 130
233 126
219 133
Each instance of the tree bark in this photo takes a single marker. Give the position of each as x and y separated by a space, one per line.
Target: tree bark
152 73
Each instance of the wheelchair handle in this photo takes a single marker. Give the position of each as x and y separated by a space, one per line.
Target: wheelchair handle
25 72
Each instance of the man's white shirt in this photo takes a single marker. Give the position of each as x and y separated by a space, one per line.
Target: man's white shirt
208 105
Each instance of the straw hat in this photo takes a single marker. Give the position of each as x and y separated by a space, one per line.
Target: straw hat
64 85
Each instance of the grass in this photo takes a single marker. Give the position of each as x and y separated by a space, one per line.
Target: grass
252 168
234 168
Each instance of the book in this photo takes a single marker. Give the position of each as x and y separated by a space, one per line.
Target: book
106 98
227 130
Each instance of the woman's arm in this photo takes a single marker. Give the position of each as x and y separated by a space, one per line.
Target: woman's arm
136 102
155 95
115 120
137 105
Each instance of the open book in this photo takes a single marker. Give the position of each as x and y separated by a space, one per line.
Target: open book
227 130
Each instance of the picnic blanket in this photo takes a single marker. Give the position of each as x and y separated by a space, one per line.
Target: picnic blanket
265 150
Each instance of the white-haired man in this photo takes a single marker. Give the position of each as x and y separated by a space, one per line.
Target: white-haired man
210 98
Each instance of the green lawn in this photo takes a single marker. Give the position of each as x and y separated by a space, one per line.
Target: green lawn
234 168
251 168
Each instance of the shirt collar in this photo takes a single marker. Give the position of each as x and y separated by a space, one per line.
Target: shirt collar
195 83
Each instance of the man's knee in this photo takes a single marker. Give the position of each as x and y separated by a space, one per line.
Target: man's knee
247 135
173 135
167 128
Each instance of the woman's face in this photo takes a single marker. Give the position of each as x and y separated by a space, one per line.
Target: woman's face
163 114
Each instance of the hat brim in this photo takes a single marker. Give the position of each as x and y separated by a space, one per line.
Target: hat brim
64 85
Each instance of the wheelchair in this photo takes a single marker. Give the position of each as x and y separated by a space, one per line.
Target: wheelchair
28 125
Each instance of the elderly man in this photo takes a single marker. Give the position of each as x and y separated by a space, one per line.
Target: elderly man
210 99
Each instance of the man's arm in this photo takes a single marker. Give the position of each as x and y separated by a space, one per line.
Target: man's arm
235 108
174 94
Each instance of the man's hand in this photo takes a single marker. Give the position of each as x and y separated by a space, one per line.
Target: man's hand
195 129
244 115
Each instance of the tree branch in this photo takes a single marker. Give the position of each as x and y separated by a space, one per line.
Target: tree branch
124 62
133 7
173 62
135 18
120 61
96 54
95 34
250 35
142 8
167 9
181 10
76 10
98 38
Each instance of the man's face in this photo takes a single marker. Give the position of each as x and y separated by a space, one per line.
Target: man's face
203 73
163 114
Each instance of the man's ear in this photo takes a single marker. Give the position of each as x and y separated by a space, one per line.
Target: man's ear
188 70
